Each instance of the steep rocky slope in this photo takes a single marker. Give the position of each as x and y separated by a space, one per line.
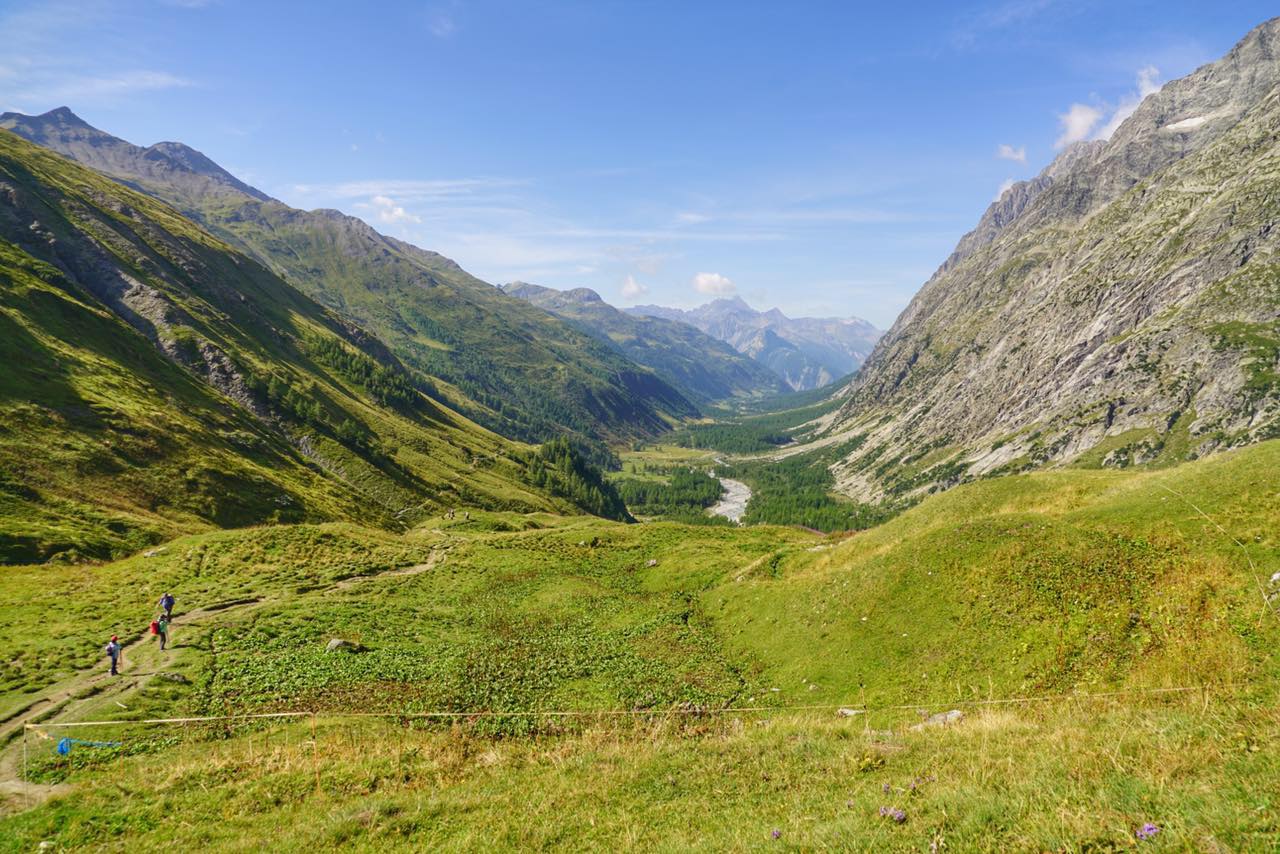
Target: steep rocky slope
1121 308
504 363
156 381
700 366
807 352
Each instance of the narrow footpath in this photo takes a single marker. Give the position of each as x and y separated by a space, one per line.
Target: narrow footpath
94 688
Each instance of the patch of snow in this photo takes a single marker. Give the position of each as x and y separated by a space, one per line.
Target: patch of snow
1187 124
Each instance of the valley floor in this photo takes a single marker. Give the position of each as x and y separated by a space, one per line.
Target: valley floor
704 666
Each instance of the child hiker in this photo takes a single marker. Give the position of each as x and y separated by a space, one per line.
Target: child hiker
116 653
160 628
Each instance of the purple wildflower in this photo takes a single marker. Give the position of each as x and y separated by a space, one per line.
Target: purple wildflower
777 834
886 788
894 813
1147 831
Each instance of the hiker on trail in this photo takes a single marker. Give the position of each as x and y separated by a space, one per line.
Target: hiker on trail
116 653
166 602
162 629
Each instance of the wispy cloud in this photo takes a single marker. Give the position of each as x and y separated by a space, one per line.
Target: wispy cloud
40 72
1147 84
792 216
442 26
652 234
713 284
408 190
1000 16
442 20
55 90
1008 152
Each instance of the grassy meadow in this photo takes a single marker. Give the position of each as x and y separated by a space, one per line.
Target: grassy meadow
729 651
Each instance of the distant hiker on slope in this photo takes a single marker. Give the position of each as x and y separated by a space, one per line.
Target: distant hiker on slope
166 602
162 629
115 652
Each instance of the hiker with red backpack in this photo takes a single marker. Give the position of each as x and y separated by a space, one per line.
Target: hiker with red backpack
160 628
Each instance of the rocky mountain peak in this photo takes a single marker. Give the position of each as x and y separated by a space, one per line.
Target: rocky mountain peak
62 115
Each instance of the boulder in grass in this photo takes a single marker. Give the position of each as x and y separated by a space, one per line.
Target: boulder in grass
175 677
848 713
950 718
340 645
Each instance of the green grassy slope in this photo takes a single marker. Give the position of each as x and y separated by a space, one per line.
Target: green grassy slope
157 381
508 365
1045 584
1031 584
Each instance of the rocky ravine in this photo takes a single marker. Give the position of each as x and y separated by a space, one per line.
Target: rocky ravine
1124 304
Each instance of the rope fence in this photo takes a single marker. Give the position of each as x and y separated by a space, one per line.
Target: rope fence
1253 568
834 708
277 746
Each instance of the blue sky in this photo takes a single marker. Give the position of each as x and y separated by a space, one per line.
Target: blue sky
820 157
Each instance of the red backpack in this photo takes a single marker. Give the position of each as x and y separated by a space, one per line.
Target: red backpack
155 627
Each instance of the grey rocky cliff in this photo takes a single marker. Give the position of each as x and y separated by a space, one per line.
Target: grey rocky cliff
1121 307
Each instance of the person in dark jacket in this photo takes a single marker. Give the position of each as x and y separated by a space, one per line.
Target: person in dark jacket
115 652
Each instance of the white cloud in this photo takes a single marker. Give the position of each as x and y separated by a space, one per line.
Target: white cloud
690 218
1148 84
1077 123
632 289
389 211
713 284
1004 188
1008 152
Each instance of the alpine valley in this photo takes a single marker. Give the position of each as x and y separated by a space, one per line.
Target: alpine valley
460 566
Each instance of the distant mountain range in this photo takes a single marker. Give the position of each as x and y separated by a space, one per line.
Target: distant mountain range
702 367
514 368
806 352
1123 307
